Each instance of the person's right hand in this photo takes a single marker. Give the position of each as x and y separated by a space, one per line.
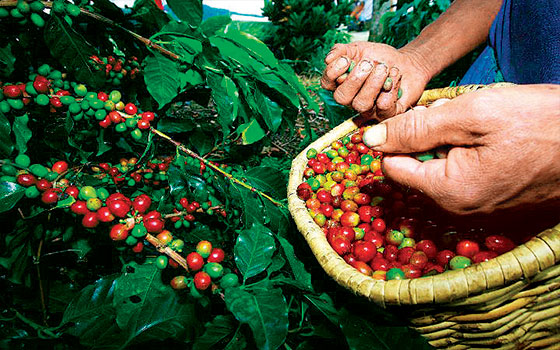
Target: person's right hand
363 88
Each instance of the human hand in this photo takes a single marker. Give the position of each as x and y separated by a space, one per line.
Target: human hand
505 148
363 88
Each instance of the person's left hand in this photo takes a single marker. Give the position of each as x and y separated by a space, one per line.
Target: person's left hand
505 148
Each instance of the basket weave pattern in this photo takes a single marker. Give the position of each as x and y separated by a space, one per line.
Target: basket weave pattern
510 302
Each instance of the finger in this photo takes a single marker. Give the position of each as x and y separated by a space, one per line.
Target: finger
387 101
428 177
336 51
333 71
343 77
346 92
366 97
422 130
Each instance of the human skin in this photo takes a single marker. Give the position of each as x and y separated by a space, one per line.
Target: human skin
505 149
464 26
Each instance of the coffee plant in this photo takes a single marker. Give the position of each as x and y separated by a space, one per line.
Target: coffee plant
140 202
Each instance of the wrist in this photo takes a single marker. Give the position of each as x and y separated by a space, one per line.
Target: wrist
423 66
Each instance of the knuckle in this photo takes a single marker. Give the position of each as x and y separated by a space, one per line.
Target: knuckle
342 97
361 104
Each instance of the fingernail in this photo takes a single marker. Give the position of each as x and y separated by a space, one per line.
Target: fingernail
376 135
341 62
365 66
388 84
329 56
380 69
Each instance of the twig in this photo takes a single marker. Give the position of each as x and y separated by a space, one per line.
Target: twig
34 325
164 249
209 164
41 290
145 41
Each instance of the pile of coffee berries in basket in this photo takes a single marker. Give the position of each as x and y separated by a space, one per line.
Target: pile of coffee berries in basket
382 229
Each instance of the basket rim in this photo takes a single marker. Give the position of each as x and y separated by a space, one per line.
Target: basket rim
524 261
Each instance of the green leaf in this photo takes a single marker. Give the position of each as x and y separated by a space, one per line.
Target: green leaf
363 334
22 133
226 98
334 112
298 268
94 314
202 141
191 77
220 327
65 203
254 46
250 132
168 125
211 25
6 145
253 250
148 309
270 110
266 312
81 247
251 206
72 50
91 311
7 60
189 11
269 180
161 76
324 304
10 194
102 146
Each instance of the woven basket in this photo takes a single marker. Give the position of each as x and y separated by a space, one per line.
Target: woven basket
510 302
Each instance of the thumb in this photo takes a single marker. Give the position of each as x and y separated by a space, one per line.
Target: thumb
420 130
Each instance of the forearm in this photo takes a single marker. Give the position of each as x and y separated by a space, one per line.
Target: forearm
459 30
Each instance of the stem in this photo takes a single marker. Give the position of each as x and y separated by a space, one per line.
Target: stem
41 290
145 41
34 325
164 249
209 164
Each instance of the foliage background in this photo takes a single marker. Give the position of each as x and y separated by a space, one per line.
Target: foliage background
226 96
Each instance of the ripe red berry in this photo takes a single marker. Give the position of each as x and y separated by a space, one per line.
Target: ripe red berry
428 247
202 280
143 124
90 220
484 256
43 185
499 244
154 225
341 245
149 116
118 232
364 251
50 196
72 191
217 255
130 108
195 261
467 248
443 257
105 215
26 180
12 91
142 203
119 208
79 207
60 167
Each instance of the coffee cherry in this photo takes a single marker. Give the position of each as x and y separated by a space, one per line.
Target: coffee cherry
499 244
79 207
395 274
459 262
26 180
130 109
119 232
216 255
165 237
179 282
90 220
119 208
195 261
105 215
50 196
204 248
443 257
202 280
364 251
484 256
467 248
142 203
